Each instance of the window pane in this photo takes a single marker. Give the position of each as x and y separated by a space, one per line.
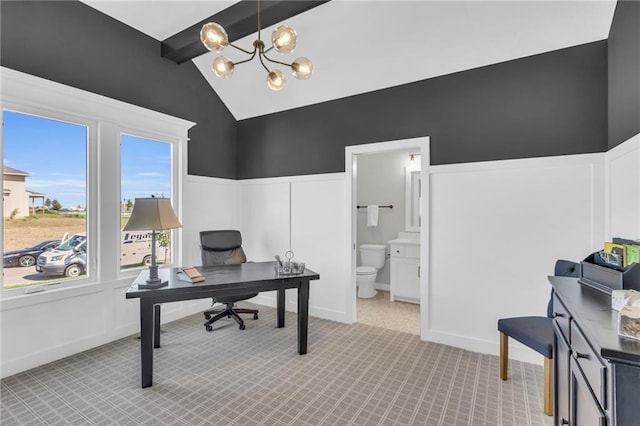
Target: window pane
44 200
145 171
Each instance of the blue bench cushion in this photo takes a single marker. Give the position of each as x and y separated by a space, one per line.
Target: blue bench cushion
534 332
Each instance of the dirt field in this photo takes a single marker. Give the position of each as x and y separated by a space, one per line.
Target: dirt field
21 233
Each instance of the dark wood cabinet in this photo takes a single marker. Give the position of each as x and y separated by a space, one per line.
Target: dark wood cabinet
596 372
585 409
561 379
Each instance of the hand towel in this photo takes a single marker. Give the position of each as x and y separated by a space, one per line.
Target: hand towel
372 215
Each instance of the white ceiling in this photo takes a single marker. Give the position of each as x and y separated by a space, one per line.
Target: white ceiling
358 46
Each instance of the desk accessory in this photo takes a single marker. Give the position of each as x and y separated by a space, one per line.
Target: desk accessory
190 275
597 274
629 322
622 298
152 214
288 267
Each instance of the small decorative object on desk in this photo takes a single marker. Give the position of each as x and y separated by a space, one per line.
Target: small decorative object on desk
629 322
288 267
190 275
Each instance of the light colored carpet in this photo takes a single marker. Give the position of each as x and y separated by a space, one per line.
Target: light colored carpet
380 311
353 375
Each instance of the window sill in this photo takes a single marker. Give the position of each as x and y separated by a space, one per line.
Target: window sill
53 293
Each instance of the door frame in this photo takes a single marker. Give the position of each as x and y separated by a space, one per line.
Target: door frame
422 146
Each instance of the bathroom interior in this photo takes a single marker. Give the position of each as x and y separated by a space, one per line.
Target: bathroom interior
388 240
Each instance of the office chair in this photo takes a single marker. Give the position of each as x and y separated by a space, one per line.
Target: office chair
224 248
537 334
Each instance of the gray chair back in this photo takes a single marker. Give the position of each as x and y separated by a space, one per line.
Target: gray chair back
563 268
222 247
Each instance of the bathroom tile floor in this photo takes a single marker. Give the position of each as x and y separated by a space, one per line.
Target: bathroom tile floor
379 311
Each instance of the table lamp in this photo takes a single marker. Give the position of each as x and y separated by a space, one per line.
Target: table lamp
154 214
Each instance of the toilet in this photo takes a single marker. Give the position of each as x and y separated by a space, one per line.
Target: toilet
373 257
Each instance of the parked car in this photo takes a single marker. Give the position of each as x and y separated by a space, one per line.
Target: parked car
28 256
68 259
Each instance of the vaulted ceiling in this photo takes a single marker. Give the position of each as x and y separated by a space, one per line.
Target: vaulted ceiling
359 46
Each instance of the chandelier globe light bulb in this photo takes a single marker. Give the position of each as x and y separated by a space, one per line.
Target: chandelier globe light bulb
284 39
214 37
302 68
276 80
223 67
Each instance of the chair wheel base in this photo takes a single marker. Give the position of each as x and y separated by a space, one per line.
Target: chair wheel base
242 327
208 327
255 316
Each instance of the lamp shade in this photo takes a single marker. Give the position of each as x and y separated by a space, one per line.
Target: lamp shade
152 214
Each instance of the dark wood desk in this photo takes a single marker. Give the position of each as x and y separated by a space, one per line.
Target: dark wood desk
226 280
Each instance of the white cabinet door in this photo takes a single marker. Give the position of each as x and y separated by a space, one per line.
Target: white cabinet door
405 281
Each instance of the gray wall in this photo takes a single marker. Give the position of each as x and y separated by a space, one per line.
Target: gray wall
549 104
73 44
624 73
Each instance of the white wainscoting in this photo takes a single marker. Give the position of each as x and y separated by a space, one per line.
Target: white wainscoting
319 238
264 222
623 196
304 214
496 230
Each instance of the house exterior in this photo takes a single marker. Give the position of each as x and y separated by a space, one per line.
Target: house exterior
15 197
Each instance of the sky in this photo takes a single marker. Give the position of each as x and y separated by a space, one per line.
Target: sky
55 154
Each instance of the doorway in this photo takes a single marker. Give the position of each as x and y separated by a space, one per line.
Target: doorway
418 146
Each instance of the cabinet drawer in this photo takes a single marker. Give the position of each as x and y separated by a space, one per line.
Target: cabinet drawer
412 252
401 250
397 251
593 368
561 317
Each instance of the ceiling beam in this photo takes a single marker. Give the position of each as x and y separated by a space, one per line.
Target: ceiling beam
238 20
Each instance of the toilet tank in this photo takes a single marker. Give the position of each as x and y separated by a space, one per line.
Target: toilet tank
373 255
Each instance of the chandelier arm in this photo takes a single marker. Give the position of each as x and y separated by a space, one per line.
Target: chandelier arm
269 49
260 55
253 55
243 50
276 62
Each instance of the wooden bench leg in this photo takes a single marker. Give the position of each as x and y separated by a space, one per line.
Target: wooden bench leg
504 356
548 386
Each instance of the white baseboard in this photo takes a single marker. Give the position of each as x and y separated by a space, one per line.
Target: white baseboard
517 351
49 354
382 286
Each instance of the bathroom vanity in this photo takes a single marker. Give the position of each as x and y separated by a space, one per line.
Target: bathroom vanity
405 268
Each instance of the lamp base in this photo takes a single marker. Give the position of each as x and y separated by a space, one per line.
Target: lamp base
152 284
153 281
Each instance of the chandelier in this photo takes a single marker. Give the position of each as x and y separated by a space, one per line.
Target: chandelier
283 40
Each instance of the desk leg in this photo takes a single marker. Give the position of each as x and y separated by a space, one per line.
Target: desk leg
156 326
281 303
303 316
146 341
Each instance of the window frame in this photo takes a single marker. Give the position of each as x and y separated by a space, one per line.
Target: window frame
105 119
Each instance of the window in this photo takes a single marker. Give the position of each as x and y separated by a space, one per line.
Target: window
44 200
76 143
145 171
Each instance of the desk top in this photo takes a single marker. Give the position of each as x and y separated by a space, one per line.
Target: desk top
223 277
592 311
